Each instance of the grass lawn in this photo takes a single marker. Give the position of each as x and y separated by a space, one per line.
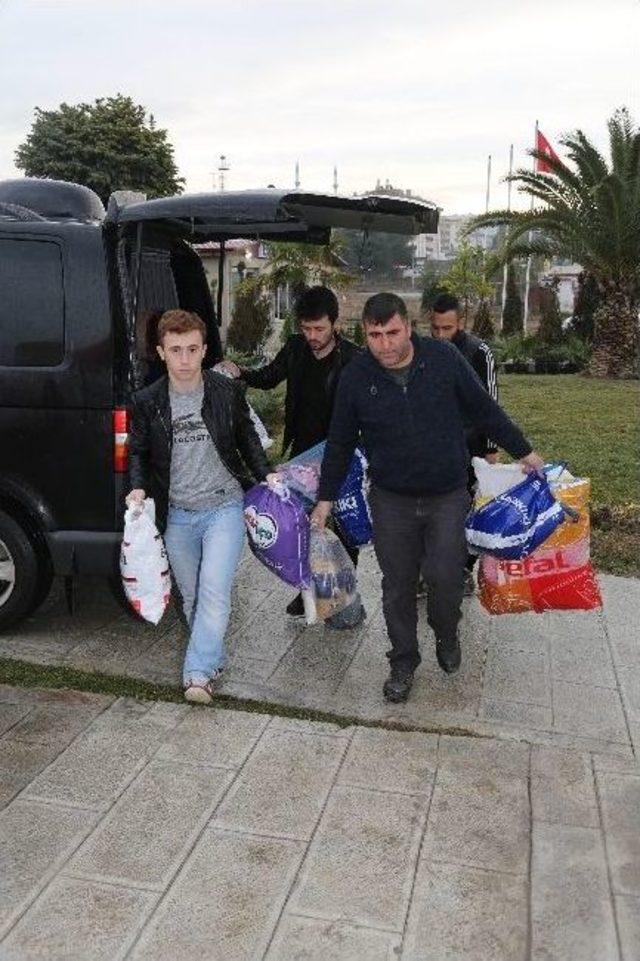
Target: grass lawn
593 425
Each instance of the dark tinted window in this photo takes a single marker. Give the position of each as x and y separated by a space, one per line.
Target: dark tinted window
31 304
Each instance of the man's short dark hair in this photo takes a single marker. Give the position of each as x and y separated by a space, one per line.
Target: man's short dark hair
445 302
380 308
315 303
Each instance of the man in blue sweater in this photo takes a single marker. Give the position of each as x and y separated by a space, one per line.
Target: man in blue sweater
407 400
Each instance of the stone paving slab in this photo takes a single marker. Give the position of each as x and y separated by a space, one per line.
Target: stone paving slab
466 914
361 863
76 920
156 831
572 910
224 904
36 839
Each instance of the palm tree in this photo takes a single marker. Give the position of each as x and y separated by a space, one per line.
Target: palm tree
589 210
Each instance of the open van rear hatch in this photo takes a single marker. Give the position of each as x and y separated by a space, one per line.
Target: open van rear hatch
267 215
277 215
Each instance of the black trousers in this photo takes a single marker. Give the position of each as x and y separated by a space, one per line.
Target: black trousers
414 535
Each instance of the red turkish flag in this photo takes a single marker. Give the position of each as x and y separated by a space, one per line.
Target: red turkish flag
543 146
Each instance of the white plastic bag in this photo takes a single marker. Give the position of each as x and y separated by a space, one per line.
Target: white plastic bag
495 479
143 563
261 430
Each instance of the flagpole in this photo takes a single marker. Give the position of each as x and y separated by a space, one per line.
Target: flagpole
488 197
527 282
505 269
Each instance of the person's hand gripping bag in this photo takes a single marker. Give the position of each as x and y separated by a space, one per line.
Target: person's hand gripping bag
143 563
511 525
278 531
351 508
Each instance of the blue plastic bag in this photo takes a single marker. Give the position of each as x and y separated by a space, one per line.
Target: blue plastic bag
515 523
351 509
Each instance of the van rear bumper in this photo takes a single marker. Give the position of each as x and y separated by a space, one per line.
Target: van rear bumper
84 552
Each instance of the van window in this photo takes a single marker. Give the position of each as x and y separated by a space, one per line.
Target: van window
31 304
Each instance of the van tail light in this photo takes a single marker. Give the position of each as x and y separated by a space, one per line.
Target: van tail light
121 423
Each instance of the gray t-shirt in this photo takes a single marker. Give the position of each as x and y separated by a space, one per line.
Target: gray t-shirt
400 375
199 480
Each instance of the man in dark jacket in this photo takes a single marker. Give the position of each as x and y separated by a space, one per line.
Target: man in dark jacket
193 448
408 399
447 324
311 363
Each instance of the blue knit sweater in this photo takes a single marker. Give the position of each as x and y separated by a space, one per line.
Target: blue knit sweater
414 437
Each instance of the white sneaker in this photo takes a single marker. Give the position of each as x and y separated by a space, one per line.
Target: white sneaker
202 693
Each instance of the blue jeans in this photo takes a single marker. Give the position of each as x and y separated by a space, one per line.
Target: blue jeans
204 549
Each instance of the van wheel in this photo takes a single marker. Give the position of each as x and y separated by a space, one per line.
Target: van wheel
20 584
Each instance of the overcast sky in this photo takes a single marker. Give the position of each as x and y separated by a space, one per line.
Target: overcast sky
416 91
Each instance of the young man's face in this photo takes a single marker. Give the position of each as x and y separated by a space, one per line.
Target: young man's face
318 334
390 343
183 354
445 326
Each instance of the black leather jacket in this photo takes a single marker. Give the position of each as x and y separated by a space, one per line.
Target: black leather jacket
287 364
226 416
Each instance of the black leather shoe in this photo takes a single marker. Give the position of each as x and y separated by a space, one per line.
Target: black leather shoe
448 655
296 607
397 686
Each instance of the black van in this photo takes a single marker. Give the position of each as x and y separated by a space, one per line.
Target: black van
79 290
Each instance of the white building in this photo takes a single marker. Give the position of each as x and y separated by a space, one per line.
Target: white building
567 277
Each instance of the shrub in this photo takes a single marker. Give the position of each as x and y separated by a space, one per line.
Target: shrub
358 334
269 406
483 324
513 308
288 327
251 321
550 329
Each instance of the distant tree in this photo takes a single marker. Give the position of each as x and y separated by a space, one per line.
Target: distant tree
482 322
251 319
468 277
379 256
358 334
107 145
513 313
587 301
302 264
431 286
550 329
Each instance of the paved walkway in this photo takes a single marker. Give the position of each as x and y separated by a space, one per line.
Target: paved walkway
158 831
504 827
567 679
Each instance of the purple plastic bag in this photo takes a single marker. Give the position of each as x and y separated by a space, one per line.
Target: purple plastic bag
278 531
